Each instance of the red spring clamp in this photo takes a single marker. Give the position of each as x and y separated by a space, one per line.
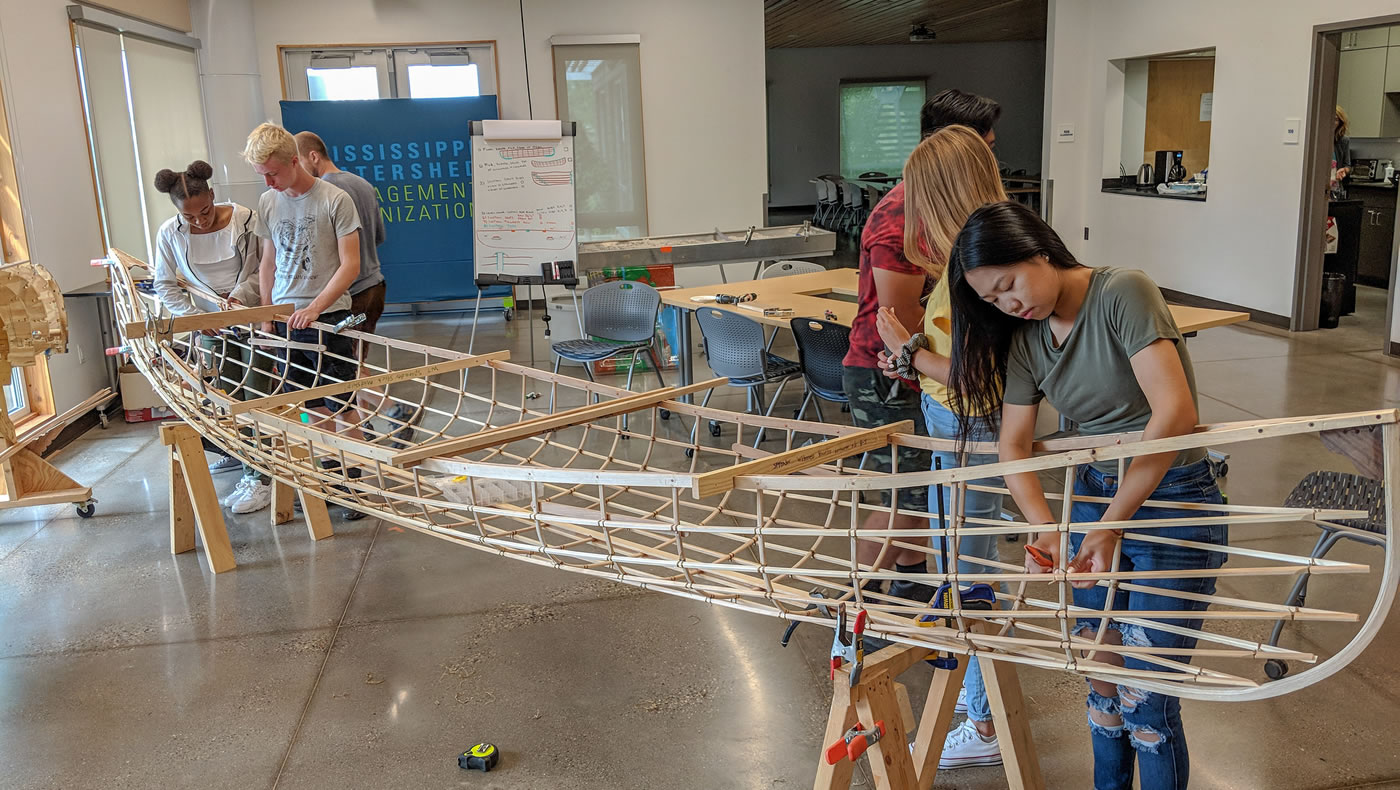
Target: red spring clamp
854 743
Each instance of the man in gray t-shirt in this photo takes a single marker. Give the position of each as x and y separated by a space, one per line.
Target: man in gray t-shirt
306 231
311 150
310 237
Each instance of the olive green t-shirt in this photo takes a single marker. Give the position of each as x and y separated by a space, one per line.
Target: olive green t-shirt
1089 378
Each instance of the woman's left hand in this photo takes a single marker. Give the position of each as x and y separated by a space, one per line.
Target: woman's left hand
882 361
1095 555
892 332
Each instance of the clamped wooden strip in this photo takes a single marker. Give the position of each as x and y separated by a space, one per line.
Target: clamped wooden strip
380 380
551 422
797 459
223 318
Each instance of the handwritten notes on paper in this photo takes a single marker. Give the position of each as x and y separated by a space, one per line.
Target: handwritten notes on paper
524 192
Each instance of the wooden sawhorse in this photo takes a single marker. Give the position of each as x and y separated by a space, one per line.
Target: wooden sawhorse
877 697
194 505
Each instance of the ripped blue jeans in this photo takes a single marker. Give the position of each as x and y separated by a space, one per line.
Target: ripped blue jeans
1151 732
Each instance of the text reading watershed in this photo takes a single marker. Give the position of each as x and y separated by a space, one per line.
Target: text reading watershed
408 177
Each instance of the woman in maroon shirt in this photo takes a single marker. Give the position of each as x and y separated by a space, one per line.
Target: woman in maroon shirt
888 279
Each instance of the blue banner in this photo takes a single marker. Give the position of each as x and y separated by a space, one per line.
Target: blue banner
417 154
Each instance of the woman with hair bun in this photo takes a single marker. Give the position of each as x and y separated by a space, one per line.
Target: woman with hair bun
211 246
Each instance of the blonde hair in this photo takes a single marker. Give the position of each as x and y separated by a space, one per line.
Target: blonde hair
951 174
270 141
1339 130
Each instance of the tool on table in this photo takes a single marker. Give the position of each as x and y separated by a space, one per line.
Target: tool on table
482 756
830 315
948 596
854 743
354 319
770 312
852 651
730 299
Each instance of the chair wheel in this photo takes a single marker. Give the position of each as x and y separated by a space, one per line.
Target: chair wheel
714 428
86 509
1275 668
690 452
1013 538
665 414
845 408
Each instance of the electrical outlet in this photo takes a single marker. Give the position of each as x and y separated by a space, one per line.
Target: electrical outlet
1086 232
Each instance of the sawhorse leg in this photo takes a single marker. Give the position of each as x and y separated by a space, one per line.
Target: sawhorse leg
193 502
874 699
318 518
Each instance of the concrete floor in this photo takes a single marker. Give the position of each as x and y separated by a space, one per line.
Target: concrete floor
372 658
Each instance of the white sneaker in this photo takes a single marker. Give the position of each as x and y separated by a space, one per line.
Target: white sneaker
238 491
225 463
964 747
257 495
961 707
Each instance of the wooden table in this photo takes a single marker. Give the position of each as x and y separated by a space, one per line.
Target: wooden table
814 295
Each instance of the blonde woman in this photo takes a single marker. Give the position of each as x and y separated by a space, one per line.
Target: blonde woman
948 176
889 281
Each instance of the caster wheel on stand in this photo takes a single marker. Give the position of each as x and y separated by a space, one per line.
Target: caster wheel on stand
1275 668
714 429
665 414
690 452
86 509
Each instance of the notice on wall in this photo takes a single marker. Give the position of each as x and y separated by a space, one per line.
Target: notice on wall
417 155
1207 99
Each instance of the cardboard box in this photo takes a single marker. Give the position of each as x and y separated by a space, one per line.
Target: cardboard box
139 400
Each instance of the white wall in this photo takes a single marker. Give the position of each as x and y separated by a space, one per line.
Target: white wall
1134 113
1240 246
702 86
804 106
55 178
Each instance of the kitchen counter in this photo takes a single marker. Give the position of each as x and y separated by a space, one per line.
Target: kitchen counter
1151 192
1371 185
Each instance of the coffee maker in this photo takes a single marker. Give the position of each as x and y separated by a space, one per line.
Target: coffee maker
1168 167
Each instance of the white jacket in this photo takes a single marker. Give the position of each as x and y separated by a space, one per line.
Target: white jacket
239 271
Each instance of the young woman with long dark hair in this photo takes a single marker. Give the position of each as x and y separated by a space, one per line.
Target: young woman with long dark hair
1100 345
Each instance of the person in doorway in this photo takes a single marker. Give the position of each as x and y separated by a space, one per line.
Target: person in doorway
310 256
1099 344
368 291
1341 155
889 279
948 176
210 246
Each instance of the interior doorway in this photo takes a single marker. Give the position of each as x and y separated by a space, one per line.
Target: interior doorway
1347 238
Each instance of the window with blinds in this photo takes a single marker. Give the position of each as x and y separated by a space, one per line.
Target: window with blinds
144 112
879 125
599 87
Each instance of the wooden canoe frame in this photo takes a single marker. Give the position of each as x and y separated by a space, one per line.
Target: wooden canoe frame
623 502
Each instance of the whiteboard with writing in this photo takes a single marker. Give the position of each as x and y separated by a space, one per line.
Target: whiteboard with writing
523 191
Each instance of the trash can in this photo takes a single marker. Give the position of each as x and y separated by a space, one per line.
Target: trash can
1333 293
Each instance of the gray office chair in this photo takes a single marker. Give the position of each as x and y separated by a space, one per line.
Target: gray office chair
734 346
618 318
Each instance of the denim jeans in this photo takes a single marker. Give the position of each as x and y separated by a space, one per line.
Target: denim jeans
943 424
1162 760
243 372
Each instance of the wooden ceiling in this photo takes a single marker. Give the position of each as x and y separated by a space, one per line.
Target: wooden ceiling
841 23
